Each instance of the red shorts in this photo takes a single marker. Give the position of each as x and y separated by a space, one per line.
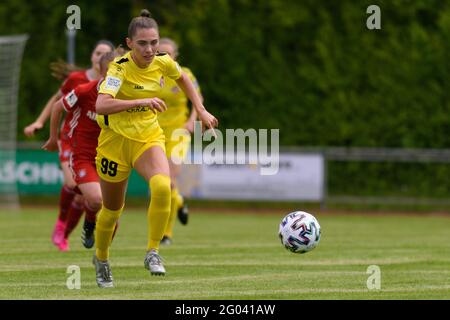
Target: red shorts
64 149
84 171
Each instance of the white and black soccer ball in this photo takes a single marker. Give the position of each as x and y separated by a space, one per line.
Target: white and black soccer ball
299 232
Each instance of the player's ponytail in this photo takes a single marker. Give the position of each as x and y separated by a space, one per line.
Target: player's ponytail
145 13
61 69
144 21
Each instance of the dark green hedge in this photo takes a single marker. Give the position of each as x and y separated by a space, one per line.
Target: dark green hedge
418 180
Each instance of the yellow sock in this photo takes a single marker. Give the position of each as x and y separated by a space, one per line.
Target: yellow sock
104 229
159 210
180 200
174 205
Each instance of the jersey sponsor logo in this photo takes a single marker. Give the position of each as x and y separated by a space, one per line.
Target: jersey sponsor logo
112 83
91 115
71 98
139 87
139 109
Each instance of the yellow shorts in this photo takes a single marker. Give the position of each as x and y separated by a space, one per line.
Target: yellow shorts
116 154
177 145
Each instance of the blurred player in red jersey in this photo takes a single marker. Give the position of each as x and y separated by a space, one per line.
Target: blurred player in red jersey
70 205
84 130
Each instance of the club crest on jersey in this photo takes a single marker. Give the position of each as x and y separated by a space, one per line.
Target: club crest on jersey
71 98
161 81
175 89
82 173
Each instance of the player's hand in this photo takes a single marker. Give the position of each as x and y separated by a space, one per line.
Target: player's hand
51 144
208 120
189 126
30 130
156 104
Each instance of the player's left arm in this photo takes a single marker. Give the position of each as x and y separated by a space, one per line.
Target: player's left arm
185 83
190 123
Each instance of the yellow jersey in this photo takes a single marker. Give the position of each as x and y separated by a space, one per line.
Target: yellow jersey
126 81
176 101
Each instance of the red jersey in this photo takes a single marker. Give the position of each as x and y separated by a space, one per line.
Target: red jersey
73 80
83 128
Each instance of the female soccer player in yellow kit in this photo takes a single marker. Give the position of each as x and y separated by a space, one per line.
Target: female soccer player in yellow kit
132 138
176 117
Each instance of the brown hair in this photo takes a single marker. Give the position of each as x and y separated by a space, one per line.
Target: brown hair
144 21
171 43
120 51
61 69
105 42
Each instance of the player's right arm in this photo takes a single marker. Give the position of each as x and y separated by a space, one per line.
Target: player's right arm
67 103
30 130
55 119
46 112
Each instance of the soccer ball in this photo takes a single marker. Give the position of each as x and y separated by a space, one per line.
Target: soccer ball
299 232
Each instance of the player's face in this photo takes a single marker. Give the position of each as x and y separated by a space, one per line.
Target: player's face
144 45
165 47
97 54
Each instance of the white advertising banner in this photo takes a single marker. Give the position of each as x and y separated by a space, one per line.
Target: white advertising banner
300 177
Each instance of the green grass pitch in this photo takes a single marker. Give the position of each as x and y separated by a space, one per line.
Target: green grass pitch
234 256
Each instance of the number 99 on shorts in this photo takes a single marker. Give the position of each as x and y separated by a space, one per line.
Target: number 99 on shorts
108 167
